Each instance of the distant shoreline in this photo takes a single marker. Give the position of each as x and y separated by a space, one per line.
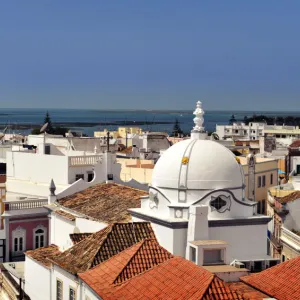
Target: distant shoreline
23 126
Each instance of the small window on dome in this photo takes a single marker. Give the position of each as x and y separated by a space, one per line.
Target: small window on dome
220 203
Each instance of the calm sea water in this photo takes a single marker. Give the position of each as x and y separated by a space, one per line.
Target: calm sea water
13 117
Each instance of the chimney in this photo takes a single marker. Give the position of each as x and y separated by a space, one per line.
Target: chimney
198 223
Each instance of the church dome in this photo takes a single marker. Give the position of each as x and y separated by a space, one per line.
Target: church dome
197 164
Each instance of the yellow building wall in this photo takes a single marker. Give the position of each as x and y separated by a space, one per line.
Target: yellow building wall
113 134
130 170
262 169
130 130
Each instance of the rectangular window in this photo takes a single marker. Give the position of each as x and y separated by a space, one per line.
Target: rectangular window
258 207
211 257
259 181
257 266
59 290
79 176
263 207
16 244
90 177
193 254
264 180
36 242
271 179
20 244
47 149
72 294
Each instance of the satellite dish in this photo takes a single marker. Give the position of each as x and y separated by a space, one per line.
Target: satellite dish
43 129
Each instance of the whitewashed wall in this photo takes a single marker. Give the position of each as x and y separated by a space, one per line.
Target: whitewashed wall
85 225
37 280
243 241
87 292
26 171
292 220
60 230
68 280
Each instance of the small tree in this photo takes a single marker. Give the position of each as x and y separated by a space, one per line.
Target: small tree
47 119
176 129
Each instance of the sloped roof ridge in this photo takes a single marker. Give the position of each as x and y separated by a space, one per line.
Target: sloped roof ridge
79 244
113 226
274 276
142 244
206 290
216 289
109 229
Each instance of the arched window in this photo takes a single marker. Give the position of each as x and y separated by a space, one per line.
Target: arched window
18 240
39 237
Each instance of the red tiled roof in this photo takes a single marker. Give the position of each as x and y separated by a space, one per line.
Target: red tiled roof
248 292
280 281
148 271
219 290
149 254
106 202
102 245
42 255
65 214
78 237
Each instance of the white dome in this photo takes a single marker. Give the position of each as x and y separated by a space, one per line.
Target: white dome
197 165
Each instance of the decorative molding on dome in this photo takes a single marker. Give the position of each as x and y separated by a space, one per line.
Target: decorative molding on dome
153 200
229 192
157 190
198 120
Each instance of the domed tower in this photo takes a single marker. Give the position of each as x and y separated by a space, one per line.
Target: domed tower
198 193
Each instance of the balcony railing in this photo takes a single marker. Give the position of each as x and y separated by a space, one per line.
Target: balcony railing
84 160
25 204
289 237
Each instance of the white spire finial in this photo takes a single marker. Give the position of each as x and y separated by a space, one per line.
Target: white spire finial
198 120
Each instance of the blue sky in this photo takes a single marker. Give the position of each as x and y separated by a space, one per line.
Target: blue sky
150 54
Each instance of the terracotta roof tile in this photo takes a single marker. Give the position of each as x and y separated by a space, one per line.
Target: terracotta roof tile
148 271
78 237
219 290
248 292
42 255
102 245
280 282
65 214
289 198
149 254
107 202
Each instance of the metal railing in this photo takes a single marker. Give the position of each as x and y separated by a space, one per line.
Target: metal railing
84 160
287 235
25 204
